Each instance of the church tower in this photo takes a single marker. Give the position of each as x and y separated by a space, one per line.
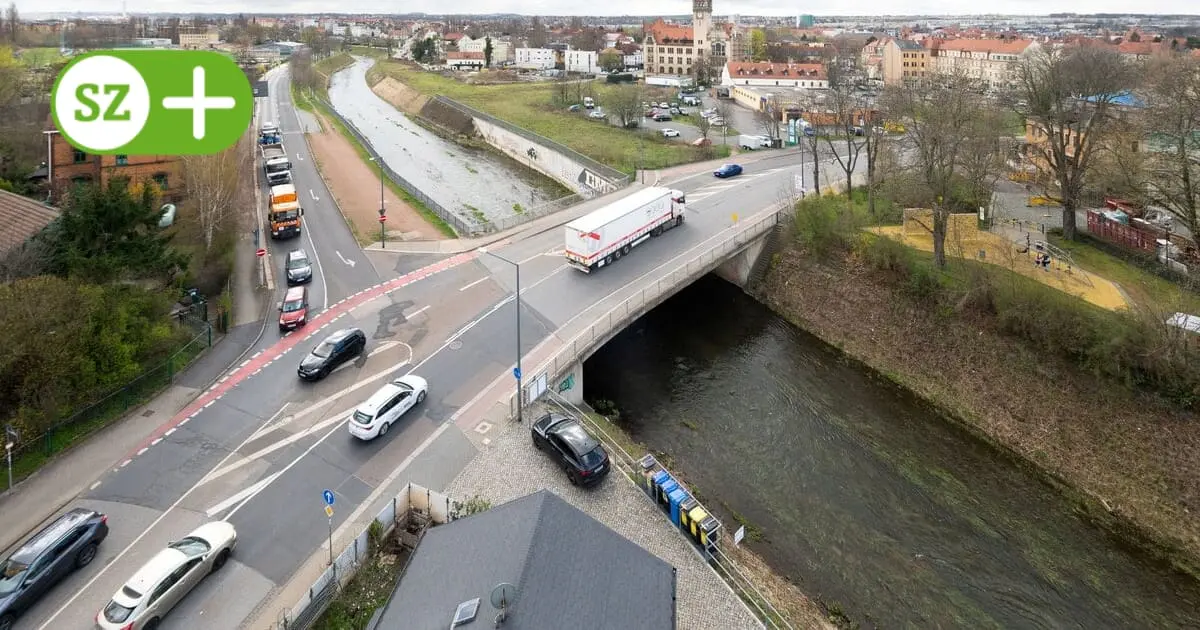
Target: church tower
701 26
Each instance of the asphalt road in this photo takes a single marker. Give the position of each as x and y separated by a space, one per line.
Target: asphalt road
259 448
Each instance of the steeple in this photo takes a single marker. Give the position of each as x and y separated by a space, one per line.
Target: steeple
701 25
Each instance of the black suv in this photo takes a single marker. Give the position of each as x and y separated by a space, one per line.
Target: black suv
69 543
337 348
585 461
299 269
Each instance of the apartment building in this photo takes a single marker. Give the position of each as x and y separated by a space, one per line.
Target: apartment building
70 167
199 39
905 60
871 58
668 50
991 61
582 61
535 58
502 50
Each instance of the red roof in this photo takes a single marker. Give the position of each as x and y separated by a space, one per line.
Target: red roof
668 33
768 69
454 54
1001 46
452 37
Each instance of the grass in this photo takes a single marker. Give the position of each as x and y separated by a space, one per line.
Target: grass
40 57
300 98
530 105
368 590
423 210
1145 288
369 51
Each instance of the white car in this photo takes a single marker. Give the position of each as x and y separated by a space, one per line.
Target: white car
373 418
670 133
716 121
597 114
170 575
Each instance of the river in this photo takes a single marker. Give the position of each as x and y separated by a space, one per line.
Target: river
463 180
859 492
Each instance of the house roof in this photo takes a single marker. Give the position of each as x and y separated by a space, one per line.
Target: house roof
565 565
908 44
452 37
22 218
455 54
768 69
663 32
999 46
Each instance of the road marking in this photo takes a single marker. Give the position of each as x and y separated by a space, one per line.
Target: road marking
156 441
345 260
320 267
270 420
313 195
94 486
529 288
473 284
224 505
169 432
418 311
385 346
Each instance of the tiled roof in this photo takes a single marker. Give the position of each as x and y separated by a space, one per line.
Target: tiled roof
768 69
662 32
908 44
453 37
21 218
1000 46
454 54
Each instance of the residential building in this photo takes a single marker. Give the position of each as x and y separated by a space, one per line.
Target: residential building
70 167
872 56
535 58
459 60
631 55
582 61
22 218
199 39
992 61
1121 109
566 568
904 60
767 74
501 48
668 49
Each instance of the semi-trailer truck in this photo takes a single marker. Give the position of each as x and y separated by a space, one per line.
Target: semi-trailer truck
599 238
276 165
285 211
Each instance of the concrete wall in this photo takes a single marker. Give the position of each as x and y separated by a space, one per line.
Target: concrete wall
737 270
549 162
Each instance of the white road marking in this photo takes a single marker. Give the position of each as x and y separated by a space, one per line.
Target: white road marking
320 268
313 195
473 284
345 260
94 486
227 503
529 288
418 311
270 421
386 346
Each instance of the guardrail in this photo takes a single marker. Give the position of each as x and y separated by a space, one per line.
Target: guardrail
608 324
462 226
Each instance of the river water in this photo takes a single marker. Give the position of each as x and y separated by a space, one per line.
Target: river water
461 179
857 491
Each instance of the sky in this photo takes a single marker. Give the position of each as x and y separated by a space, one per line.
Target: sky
621 7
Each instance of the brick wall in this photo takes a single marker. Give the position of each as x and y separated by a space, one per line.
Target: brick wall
71 166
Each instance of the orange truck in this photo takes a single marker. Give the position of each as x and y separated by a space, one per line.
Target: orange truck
285 211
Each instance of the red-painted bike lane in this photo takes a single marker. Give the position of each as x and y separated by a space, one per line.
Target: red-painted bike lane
269 355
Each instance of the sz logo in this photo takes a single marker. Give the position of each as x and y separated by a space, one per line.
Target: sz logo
165 102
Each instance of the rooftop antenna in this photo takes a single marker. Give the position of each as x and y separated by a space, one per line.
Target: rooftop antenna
503 596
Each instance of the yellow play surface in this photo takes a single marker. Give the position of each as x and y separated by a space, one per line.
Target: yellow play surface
964 239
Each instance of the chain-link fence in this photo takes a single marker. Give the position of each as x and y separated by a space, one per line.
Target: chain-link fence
29 452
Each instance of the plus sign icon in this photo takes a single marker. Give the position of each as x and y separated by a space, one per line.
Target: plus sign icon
152 102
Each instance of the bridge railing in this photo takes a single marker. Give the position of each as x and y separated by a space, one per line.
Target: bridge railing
610 323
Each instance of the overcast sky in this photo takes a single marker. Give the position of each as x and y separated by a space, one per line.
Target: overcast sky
618 7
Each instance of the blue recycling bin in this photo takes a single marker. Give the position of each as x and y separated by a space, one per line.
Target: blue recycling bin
655 481
676 498
664 494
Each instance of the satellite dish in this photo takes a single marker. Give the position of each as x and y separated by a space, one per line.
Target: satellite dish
503 595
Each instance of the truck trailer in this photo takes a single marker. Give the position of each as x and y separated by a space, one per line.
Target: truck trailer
285 211
276 165
599 238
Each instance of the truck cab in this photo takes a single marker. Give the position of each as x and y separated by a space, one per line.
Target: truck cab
285 211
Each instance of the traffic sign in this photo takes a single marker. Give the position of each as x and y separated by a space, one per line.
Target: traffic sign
382 218
329 511
328 496
261 252
517 373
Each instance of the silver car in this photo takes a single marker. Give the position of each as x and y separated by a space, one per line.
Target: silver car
170 575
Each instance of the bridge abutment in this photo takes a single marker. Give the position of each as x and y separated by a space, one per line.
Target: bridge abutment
569 385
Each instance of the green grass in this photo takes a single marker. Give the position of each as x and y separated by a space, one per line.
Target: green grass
1145 288
40 57
1013 124
300 99
369 51
416 204
368 590
531 106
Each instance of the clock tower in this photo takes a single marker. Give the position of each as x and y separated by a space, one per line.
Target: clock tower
701 25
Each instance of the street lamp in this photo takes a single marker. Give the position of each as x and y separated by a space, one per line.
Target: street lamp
382 211
517 370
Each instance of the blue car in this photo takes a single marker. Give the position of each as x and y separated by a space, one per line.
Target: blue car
728 170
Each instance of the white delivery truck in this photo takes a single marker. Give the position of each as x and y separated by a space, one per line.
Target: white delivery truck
753 143
599 238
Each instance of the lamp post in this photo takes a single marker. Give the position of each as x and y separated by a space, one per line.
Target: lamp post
382 210
517 371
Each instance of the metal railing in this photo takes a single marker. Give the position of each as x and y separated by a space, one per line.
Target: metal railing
612 175
437 507
536 212
463 226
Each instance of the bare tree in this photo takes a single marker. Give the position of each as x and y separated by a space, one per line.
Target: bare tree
301 67
845 136
703 125
1173 120
12 20
947 121
770 117
623 102
1068 96
873 141
811 106
212 184
724 112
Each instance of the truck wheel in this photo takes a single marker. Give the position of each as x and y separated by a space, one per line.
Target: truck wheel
608 260
625 251
679 220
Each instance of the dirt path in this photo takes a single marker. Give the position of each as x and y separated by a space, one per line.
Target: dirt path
355 186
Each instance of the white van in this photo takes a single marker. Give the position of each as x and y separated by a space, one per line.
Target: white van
588 102
373 418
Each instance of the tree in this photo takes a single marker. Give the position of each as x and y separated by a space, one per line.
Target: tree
300 65
213 185
770 117
703 70
588 39
624 102
611 60
487 52
725 112
423 50
758 45
951 131
1172 118
704 126
111 233
848 112
12 20
873 141
1067 98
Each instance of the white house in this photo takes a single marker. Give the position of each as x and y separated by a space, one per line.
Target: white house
501 49
535 58
767 74
460 60
633 60
582 61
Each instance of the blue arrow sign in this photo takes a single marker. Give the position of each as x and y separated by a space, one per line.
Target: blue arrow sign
328 496
517 373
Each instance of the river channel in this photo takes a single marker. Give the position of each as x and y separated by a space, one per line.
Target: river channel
858 492
465 181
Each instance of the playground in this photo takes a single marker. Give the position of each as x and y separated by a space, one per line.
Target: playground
1013 248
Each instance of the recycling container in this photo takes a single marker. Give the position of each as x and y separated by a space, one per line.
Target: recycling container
676 498
685 509
695 517
664 494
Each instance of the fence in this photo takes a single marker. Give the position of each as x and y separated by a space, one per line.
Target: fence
614 177
28 453
461 225
435 506
536 212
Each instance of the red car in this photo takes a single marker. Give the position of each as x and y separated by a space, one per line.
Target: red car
293 311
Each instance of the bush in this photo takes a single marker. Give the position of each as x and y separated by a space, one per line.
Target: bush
828 224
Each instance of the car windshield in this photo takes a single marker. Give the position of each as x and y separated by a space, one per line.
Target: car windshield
592 458
323 350
277 168
117 613
297 262
292 306
285 215
191 546
11 574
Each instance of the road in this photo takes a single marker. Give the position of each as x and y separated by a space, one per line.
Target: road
259 447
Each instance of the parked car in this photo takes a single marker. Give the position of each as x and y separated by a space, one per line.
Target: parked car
663 105
298 267
372 418
68 543
650 113
293 310
670 133
335 350
662 117
574 108
577 452
597 114
728 170
675 111
716 121
588 102
170 575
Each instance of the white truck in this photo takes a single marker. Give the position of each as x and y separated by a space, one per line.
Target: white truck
599 238
276 165
753 143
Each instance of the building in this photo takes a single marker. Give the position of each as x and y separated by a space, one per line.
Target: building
767 74
905 60
669 50
871 58
70 167
22 218
672 51
991 61
631 56
582 61
502 51
199 39
566 568
535 58
459 60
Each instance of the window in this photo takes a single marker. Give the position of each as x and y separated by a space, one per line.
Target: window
161 180
79 157
122 160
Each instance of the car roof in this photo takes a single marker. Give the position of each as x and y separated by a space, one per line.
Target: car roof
342 334
157 568
52 533
575 436
297 253
294 293
385 393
